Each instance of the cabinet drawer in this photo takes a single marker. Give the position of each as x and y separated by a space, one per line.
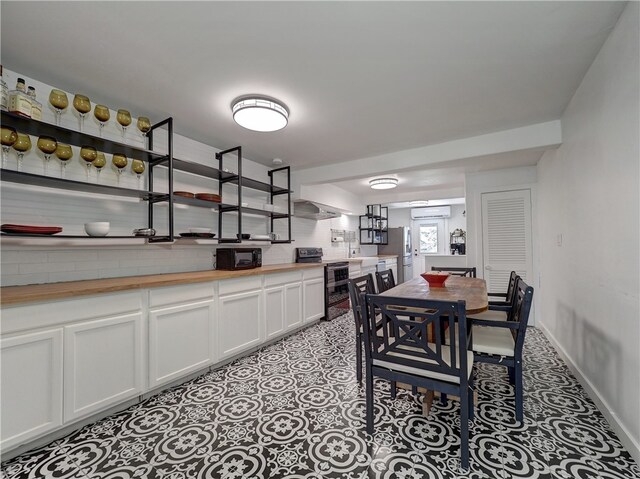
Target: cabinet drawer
232 286
282 278
173 295
313 273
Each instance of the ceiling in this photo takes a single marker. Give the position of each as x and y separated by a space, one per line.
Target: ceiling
360 78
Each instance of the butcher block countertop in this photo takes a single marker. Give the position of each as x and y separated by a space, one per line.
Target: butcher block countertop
12 295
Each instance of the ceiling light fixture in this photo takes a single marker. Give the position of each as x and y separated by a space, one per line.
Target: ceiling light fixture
419 203
260 113
383 183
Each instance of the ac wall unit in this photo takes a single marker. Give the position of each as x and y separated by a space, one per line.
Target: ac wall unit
431 212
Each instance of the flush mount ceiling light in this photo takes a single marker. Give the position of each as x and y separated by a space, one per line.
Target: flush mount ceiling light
259 113
419 203
383 183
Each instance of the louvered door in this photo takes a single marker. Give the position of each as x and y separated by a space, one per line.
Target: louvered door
506 237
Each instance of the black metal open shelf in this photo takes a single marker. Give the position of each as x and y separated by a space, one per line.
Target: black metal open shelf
226 177
72 137
72 185
59 236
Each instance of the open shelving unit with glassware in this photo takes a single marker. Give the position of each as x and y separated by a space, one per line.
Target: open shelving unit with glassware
374 225
72 137
238 209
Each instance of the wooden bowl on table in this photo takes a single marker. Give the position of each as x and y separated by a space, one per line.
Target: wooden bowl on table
435 279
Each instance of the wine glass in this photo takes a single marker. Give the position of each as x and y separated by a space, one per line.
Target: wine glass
82 104
98 164
47 145
102 114
59 102
22 145
124 118
120 162
9 137
64 154
137 166
88 154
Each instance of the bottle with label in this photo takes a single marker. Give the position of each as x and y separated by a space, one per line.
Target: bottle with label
36 106
5 92
19 101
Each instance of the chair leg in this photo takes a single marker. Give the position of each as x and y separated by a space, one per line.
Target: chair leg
519 392
471 404
414 390
369 400
512 375
443 398
359 358
464 429
394 387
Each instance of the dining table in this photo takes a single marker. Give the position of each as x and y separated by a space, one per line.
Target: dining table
473 291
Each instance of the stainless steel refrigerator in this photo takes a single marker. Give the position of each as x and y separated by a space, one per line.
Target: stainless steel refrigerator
400 245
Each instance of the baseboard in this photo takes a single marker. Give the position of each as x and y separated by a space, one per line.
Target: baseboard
623 434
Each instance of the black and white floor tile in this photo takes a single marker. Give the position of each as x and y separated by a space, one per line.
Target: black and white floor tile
294 410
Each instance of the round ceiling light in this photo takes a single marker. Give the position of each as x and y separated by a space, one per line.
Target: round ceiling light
260 113
383 183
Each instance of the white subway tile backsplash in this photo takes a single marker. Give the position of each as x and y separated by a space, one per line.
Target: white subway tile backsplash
46 267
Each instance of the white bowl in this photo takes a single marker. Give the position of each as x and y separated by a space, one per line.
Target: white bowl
97 228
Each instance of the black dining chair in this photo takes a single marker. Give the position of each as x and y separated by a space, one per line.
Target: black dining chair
501 342
385 280
499 310
409 357
456 270
358 287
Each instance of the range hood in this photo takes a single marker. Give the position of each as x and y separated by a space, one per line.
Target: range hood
314 211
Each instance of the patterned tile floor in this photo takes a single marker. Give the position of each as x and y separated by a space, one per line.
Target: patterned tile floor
294 410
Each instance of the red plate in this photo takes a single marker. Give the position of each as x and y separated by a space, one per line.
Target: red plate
30 229
209 197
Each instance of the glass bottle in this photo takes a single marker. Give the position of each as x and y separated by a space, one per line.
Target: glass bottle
36 106
5 93
19 101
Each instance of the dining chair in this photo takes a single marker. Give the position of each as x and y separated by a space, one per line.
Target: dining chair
385 280
499 310
501 342
358 287
456 270
409 357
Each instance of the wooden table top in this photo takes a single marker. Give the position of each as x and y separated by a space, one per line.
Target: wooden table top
472 290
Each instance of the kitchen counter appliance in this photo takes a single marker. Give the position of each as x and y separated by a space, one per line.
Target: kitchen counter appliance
238 258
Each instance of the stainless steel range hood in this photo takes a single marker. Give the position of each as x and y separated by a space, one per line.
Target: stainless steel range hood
314 211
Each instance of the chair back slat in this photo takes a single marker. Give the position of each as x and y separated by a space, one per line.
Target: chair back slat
385 280
358 288
456 270
523 298
513 279
411 346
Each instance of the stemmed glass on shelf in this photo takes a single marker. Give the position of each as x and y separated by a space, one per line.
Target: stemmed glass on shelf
82 104
137 166
120 162
88 154
9 137
59 102
22 145
98 164
47 146
124 118
102 114
64 153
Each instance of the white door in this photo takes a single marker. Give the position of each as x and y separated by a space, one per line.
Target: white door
239 322
506 238
428 238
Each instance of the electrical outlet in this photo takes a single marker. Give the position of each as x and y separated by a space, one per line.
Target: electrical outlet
559 239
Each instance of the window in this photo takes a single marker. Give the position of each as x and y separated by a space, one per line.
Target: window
429 239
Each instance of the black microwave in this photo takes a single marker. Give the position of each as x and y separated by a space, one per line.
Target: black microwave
238 258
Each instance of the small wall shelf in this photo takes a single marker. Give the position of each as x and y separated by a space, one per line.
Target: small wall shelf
374 225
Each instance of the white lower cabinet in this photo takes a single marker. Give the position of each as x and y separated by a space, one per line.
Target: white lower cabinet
103 363
354 270
313 294
31 378
239 322
274 311
293 305
181 340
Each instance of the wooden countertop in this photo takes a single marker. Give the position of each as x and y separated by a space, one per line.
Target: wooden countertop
472 290
11 295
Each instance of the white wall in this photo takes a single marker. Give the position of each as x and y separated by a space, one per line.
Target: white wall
29 261
588 193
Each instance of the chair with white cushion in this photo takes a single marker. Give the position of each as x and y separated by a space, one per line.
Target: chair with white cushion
409 357
501 342
499 310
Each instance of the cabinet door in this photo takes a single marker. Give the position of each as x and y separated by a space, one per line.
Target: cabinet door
313 299
274 311
181 341
239 322
31 386
102 364
354 271
293 305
